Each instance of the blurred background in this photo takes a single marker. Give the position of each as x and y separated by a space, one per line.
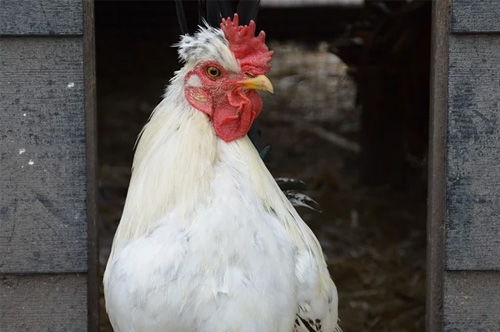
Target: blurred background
349 118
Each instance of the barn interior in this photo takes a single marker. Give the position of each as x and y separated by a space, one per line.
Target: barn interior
349 118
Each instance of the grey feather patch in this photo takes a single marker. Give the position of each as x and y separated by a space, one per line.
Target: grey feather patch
309 325
302 200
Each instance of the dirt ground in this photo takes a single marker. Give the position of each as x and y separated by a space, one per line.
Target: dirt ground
373 237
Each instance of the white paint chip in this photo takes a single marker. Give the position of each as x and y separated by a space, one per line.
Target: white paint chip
31 162
21 151
70 85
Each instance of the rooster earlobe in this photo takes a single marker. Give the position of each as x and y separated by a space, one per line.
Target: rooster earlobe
199 99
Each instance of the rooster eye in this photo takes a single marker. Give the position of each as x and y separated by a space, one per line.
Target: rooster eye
213 72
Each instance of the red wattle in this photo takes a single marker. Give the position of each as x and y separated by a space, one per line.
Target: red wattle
233 116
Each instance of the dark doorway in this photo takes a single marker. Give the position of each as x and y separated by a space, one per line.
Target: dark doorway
349 118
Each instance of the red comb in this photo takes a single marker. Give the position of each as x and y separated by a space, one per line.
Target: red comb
250 50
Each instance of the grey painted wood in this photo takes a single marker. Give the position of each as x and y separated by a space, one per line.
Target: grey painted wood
42 156
41 17
43 303
473 175
470 16
468 199
471 301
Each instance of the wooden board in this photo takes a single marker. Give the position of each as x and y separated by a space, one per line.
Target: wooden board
436 198
471 16
471 301
41 17
43 303
473 175
93 279
42 151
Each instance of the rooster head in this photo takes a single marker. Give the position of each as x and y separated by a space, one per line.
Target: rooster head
225 68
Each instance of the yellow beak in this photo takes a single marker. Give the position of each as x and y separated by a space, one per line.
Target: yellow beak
259 82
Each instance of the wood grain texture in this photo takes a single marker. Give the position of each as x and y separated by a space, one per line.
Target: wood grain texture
471 301
473 16
43 303
91 150
436 198
42 156
41 17
473 175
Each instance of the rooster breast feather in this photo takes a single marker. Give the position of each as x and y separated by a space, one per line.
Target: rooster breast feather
317 298
317 295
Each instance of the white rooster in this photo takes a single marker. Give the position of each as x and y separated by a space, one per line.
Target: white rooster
207 241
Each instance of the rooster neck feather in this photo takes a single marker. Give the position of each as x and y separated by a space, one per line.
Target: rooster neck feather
173 165
175 162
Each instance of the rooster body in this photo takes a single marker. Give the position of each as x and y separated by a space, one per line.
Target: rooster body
207 240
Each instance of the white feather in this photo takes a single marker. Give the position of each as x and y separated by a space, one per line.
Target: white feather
207 240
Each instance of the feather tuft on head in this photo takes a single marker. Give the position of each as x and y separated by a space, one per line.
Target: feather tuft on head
207 43
250 50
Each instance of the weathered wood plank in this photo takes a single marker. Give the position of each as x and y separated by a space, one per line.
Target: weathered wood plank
469 16
436 198
473 175
42 156
43 303
41 17
91 150
471 301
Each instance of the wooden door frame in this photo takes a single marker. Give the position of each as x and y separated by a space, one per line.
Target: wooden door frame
436 207
436 198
